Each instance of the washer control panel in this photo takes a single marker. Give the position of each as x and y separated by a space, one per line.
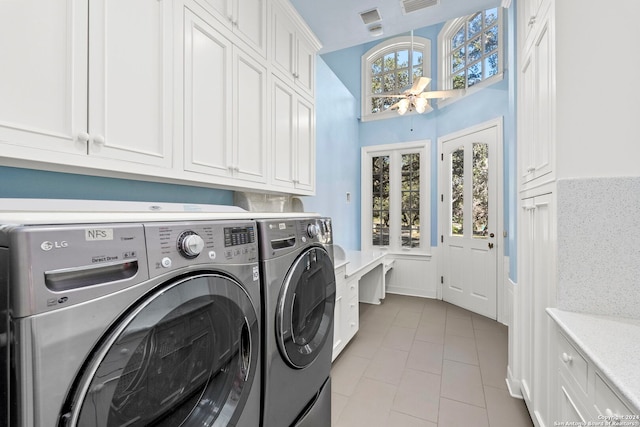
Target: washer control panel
181 244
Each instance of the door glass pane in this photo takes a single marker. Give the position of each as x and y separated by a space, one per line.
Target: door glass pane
410 214
480 190
403 58
457 192
380 208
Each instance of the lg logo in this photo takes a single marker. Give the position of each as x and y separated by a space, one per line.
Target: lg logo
47 246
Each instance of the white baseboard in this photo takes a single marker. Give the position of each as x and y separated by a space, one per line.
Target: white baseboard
513 385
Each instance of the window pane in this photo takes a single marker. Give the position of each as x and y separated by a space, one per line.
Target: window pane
417 57
376 105
390 61
417 72
403 79
376 85
403 59
474 74
491 39
475 49
410 203
475 25
380 207
480 190
387 102
490 16
389 82
376 67
458 60
457 192
458 39
491 65
459 81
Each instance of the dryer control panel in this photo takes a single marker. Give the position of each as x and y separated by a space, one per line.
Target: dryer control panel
181 244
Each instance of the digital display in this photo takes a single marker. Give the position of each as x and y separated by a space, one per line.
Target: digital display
234 236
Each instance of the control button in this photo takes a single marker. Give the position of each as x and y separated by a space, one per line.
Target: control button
312 230
212 254
166 262
190 244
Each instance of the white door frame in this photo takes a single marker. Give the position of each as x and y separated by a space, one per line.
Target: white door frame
442 224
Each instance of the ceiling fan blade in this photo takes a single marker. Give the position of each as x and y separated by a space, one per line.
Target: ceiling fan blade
436 94
419 85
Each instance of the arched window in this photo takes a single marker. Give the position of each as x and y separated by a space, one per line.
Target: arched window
388 69
471 50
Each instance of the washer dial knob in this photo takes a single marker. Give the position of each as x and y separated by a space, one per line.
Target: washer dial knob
312 230
190 244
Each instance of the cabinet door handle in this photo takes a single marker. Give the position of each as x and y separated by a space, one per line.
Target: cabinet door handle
532 20
99 139
567 358
83 137
531 169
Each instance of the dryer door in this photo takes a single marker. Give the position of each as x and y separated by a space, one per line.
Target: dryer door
304 317
185 356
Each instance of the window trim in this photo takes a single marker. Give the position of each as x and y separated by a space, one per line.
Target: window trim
419 43
444 51
395 151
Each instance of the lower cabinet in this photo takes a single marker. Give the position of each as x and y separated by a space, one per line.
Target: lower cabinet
583 393
346 314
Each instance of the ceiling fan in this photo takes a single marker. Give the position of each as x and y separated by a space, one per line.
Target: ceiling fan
416 98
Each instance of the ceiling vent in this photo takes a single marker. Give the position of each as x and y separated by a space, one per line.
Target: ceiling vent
370 16
409 6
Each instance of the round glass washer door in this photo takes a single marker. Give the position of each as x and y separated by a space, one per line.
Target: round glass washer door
304 316
184 357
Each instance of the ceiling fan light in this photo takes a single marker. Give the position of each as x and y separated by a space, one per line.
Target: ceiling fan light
421 105
403 106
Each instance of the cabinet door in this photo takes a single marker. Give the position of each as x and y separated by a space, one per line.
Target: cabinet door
305 160
250 23
305 66
249 118
537 107
525 296
130 84
43 76
283 139
207 99
284 43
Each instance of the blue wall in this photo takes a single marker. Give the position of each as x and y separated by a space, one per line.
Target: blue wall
337 158
37 184
490 103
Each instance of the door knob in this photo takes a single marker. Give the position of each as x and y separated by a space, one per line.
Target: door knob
492 235
490 245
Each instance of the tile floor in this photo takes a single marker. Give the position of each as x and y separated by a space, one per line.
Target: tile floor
422 362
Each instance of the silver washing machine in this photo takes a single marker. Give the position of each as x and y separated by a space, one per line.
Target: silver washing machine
130 324
299 289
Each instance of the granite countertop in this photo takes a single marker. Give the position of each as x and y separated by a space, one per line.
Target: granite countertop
612 344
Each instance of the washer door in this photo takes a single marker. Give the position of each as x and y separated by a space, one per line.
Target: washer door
185 357
304 317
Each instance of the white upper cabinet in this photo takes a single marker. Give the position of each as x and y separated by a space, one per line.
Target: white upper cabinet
246 18
293 139
43 76
130 80
536 106
84 81
224 106
293 51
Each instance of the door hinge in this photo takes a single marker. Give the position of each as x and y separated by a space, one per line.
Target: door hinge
442 197
442 157
441 279
442 238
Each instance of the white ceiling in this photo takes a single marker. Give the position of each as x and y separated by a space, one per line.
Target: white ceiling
338 25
